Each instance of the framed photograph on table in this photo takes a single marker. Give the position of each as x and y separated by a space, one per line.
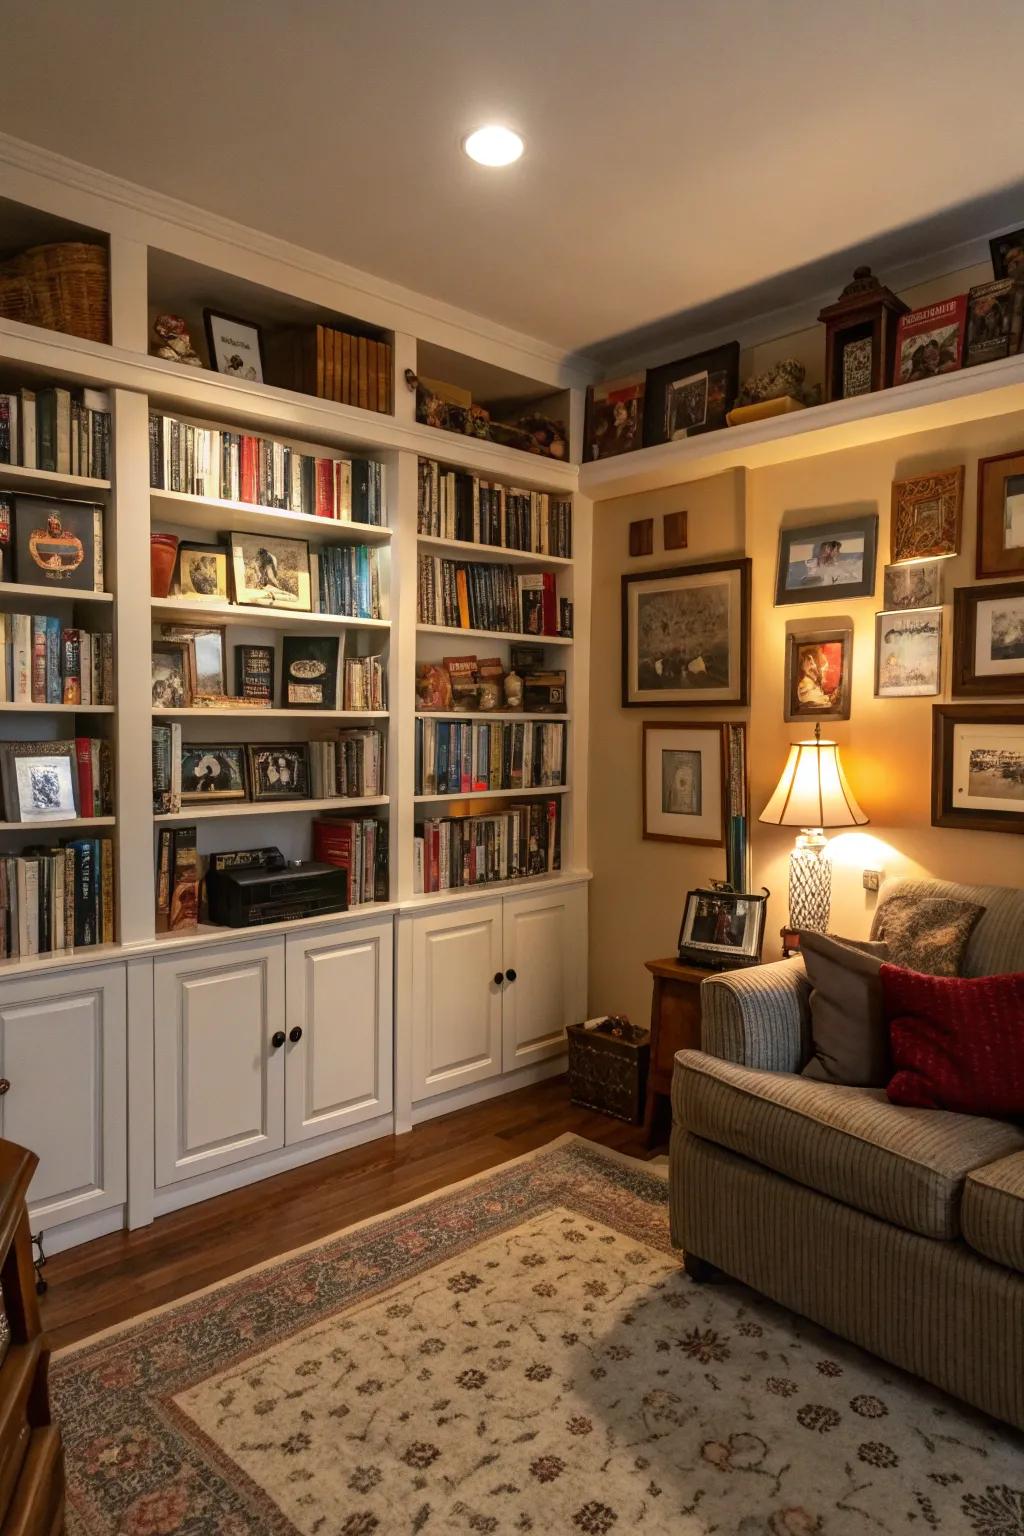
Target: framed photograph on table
926 515
1000 549
988 640
833 558
978 767
908 653
684 787
722 928
271 573
236 346
692 396
686 635
819 669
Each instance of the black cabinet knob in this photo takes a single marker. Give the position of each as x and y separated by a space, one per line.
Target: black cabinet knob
295 1035
510 975
277 1039
498 978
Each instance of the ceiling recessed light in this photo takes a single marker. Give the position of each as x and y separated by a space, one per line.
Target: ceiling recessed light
493 145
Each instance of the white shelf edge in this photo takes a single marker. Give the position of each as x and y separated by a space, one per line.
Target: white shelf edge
494 554
494 634
20 475
53 594
58 709
271 714
456 895
482 716
231 808
40 828
260 516
256 617
492 794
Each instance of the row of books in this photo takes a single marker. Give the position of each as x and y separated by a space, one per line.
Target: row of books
57 898
455 851
56 780
346 581
351 766
46 663
465 595
454 504
64 431
177 879
49 543
359 845
353 370
467 756
235 466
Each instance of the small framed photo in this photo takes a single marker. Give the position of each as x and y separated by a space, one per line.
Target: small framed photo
927 511
917 585
205 659
686 635
203 572
236 346
1000 550
723 927
211 772
46 786
684 792
819 670
692 396
908 653
988 640
271 573
171 683
827 559
978 767
1008 254
614 417
279 771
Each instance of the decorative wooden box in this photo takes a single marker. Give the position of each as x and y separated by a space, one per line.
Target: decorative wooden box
608 1064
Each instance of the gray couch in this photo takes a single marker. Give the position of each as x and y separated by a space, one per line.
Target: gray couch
901 1229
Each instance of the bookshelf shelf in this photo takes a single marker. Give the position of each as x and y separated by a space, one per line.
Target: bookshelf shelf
11 590
493 554
45 482
464 894
215 515
182 608
71 823
481 717
58 709
493 794
267 808
493 634
271 714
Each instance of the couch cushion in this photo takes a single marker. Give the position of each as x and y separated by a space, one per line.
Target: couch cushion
851 1041
905 1165
957 1042
926 933
992 1211
996 945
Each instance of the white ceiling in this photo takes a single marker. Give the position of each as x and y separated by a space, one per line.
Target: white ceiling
678 151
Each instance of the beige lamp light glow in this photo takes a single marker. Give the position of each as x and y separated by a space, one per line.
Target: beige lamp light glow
812 793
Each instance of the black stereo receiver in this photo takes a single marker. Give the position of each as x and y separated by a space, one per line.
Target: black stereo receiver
244 897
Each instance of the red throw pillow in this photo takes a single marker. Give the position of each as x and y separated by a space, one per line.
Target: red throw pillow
956 1043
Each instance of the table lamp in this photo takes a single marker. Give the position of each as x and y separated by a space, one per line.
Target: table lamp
812 794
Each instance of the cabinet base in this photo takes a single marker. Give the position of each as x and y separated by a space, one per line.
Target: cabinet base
490 1088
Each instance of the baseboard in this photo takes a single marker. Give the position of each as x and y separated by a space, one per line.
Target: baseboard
491 1088
68 1234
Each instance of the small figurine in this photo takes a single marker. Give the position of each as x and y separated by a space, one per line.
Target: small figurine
173 341
513 690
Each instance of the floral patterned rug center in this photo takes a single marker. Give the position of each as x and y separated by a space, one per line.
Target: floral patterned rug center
520 1354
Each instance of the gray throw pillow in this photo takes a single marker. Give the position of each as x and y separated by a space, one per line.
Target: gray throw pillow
848 1028
926 933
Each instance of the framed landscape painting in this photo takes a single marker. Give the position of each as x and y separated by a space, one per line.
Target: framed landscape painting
684 791
908 653
828 559
686 635
978 766
988 640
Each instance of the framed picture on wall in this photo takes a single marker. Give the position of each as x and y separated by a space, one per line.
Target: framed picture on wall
978 767
831 558
1000 549
988 640
908 653
686 635
917 585
819 669
926 515
684 788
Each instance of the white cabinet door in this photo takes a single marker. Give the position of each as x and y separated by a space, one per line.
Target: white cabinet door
456 1002
64 1042
338 1056
545 973
218 1075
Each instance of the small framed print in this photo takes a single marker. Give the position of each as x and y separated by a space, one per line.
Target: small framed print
988 640
206 649
692 396
684 790
1000 549
827 559
726 927
819 669
236 346
908 653
203 572
45 785
917 585
171 685
279 771
926 515
978 767
270 573
1008 254
686 635
212 772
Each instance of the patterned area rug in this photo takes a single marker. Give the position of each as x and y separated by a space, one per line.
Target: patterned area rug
521 1353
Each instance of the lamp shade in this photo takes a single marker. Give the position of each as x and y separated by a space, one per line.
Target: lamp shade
812 790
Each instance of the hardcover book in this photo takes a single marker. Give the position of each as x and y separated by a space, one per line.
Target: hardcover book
309 670
184 907
994 314
930 341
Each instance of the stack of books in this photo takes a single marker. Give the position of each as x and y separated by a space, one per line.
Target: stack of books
464 756
64 431
359 845
346 580
57 898
465 595
351 766
177 880
454 504
365 685
523 840
57 780
46 663
353 370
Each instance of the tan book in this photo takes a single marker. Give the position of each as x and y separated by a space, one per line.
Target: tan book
384 376
328 390
339 362
346 369
319 362
371 375
363 395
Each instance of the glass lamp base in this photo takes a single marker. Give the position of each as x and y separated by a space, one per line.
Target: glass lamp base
810 888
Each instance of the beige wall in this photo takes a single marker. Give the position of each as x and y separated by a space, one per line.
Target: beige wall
638 887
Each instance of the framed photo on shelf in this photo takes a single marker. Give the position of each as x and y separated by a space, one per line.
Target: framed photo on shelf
725 926
40 781
1000 548
686 635
212 772
203 572
270 573
978 767
614 420
1008 254
171 683
236 346
988 640
826 559
684 788
692 396
310 671
908 653
279 771
917 585
205 651
819 669
927 512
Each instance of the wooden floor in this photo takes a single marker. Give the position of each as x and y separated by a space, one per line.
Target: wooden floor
114 1278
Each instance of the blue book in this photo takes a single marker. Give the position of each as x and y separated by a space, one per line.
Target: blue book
54 680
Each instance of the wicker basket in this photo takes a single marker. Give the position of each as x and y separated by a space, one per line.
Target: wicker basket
608 1067
64 287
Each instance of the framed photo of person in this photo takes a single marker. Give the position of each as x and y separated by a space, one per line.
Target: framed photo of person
206 648
271 573
927 511
1000 549
908 653
724 928
236 346
686 635
614 417
692 396
819 669
1008 254
212 772
978 767
988 640
684 789
917 585
834 558
203 572
171 681
279 771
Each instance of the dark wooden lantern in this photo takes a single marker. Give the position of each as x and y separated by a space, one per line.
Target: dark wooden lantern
860 337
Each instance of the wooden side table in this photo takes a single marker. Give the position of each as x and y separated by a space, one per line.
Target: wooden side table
675 1026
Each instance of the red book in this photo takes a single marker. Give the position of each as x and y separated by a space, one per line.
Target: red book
83 757
930 341
325 487
249 469
334 843
550 605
